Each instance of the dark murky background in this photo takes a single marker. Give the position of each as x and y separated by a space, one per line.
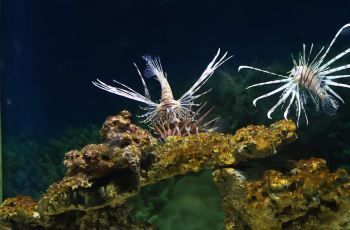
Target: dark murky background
52 50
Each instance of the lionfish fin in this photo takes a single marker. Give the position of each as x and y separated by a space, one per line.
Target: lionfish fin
154 67
329 105
147 95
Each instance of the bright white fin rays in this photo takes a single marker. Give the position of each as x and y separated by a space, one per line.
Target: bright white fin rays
309 74
208 72
334 93
143 83
128 92
167 107
268 83
272 92
261 70
154 67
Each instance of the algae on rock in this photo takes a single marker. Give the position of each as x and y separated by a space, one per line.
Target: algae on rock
307 196
103 176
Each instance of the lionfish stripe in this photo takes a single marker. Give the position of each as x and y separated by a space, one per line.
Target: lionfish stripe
311 79
261 70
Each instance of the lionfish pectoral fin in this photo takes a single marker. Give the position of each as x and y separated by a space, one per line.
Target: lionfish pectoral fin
268 83
329 89
208 72
324 66
272 92
333 40
285 95
286 112
260 70
147 95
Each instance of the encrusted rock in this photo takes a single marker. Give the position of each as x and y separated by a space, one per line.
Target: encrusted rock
119 131
308 196
110 218
258 141
180 155
107 176
20 213
99 160
103 176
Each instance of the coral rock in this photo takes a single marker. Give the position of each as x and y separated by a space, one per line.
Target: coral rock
308 196
103 176
259 141
20 212
180 155
119 131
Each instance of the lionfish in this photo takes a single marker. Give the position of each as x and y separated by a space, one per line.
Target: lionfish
309 77
168 116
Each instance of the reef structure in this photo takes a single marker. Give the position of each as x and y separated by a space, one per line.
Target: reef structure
101 177
306 196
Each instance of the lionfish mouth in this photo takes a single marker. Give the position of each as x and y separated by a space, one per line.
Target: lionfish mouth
172 110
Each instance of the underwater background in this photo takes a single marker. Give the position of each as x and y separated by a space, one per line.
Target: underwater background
52 50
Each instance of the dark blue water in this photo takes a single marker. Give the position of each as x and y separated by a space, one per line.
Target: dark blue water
53 50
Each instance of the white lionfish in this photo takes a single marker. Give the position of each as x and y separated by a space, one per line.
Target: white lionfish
308 77
167 108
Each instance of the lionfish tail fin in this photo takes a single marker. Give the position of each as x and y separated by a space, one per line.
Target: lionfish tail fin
329 105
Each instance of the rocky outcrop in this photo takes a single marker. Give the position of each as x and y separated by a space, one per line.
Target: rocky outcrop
101 177
307 196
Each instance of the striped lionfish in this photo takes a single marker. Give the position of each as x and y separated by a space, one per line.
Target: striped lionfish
309 77
169 116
